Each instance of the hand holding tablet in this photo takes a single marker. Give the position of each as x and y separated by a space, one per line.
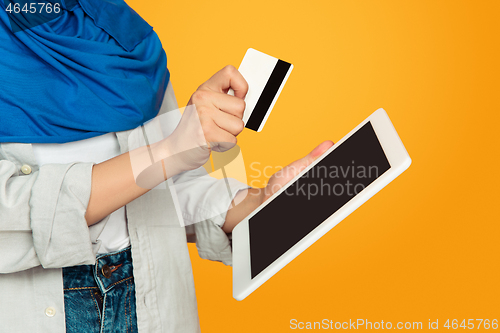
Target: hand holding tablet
317 199
318 196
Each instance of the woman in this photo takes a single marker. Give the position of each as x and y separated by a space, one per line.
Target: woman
83 248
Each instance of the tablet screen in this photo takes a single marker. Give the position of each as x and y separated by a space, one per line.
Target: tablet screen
315 196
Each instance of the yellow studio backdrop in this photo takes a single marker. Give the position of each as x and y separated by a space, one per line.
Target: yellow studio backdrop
427 245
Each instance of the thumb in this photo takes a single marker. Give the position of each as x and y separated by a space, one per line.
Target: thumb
318 151
297 166
305 161
283 176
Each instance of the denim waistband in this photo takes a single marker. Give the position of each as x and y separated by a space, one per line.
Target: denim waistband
109 270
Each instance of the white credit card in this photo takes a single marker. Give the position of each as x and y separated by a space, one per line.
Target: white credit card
266 77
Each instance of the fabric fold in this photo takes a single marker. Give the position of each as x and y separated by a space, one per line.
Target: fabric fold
96 68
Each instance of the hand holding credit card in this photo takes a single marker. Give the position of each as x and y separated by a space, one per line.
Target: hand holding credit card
266 77
213 119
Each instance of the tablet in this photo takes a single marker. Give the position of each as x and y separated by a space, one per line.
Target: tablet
317 199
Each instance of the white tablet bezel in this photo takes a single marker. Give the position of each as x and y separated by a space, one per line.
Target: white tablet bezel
399 160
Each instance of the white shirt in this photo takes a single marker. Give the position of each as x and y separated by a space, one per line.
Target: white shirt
43 228
98 149
198 196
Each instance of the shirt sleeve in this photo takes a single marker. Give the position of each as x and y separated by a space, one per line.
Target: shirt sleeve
42 216
203 197
204 202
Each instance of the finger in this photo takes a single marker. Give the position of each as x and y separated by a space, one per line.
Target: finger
283 176
300 164
228 77
229 104
220 140
228 122
319 150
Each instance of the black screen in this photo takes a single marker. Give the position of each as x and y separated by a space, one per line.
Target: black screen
315 196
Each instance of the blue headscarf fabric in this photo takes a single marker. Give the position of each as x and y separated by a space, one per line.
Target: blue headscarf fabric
97 68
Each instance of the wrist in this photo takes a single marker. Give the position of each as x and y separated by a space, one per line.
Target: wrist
147 167
245 202
180 153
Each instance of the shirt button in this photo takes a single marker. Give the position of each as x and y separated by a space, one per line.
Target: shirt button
26 169
50 311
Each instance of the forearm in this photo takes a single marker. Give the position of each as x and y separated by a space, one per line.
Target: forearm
114 184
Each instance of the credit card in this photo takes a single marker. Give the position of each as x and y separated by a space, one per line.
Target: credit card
266 77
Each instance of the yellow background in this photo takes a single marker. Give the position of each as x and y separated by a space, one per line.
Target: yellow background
426 246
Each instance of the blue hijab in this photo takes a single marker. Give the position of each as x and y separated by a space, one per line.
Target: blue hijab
96 68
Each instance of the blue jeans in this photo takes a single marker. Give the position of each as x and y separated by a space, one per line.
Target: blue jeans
100 298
